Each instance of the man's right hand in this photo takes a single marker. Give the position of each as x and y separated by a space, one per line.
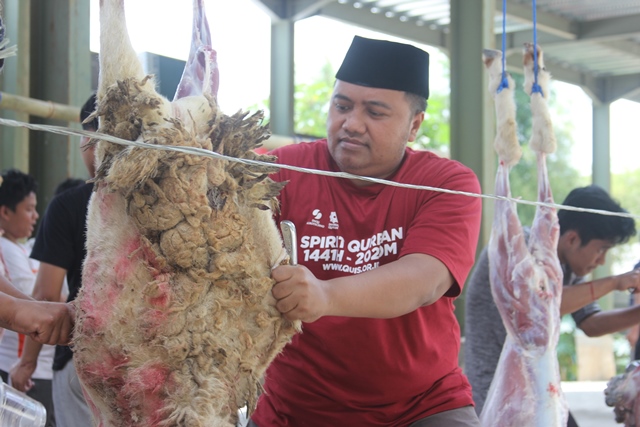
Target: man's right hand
20 375
630 281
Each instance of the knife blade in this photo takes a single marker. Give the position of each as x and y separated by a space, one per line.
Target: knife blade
290 240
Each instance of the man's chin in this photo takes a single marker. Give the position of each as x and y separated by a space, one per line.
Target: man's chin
350 165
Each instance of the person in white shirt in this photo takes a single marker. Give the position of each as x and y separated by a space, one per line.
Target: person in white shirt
18 217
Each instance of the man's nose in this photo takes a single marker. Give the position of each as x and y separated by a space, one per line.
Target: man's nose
353 123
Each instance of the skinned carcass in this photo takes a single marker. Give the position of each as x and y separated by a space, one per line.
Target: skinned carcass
526 279
175 319
5 49
623 392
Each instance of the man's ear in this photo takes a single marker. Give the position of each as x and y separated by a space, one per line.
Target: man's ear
415 125
4 212
572 238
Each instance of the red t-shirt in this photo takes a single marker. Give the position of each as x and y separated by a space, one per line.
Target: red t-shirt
373 372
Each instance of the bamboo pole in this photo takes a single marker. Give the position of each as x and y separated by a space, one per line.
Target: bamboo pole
36 107
68 113
276 141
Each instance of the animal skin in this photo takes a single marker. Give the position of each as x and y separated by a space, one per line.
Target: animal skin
622 394
506 142
526 284
176 323
542 137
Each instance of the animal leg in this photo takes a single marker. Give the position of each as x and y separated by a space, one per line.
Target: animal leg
200 75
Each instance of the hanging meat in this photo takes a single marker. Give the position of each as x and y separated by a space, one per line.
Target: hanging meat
622 393
176 323
5 49
526 277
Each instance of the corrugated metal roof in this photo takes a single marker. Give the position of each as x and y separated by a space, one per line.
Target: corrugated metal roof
592 43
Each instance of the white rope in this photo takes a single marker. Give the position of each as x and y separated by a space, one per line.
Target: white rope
207 153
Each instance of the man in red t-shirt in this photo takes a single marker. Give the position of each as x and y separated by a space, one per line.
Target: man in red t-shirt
380 265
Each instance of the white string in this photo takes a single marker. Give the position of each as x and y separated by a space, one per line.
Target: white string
212 154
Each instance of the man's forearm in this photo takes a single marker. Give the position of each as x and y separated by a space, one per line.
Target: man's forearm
610 321
7 311
392 290
574 297
31 351
389 291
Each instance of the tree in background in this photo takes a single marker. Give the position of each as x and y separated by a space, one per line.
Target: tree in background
435 131
312 104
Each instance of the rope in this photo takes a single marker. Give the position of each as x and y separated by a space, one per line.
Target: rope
212 154
504 84
536 87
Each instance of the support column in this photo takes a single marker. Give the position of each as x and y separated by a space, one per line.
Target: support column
14 80
61 72
472 110
602 146
282 77
602 173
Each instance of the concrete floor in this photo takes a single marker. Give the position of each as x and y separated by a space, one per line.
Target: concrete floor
586 403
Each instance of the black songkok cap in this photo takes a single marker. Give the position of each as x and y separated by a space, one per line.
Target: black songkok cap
386 65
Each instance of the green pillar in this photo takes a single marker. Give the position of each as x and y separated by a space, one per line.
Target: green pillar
61 72
602 146
472 110
282 77
602 174
14 80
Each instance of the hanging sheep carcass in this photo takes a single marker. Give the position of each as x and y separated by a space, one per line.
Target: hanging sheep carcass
176 322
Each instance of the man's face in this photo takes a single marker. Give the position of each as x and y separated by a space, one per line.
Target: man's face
19 224
368 129
583 259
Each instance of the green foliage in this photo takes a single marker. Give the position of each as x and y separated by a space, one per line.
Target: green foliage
566 350
621 352
435 130
312 104
434 133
